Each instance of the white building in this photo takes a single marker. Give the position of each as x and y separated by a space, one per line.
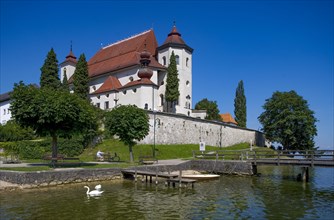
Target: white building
134 71
5 114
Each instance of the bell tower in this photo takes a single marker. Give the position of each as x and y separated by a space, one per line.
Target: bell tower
183 56
68 66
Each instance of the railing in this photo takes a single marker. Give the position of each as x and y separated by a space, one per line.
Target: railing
308 157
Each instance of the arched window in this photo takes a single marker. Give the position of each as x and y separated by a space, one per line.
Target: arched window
130 78
161 99
177 59
187 61
146 106
164 60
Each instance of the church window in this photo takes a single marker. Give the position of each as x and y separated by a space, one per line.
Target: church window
106 105
98 97
65 71
162 82
177 59
94 88
146 106
107 95
187 83
131 78
98 105
164 60
187 62
134 90
124 92
4 111
161 99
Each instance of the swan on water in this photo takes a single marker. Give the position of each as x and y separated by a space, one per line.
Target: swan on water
93 192
98 187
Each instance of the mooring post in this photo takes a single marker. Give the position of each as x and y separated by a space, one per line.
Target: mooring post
135 174
305 174
180 178
156 176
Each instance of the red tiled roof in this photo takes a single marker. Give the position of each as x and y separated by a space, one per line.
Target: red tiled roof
111 83
123 54
227 118
174 37
143 81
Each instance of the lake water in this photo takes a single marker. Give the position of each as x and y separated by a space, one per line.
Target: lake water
273 195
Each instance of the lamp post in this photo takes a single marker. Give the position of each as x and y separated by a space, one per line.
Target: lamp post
154 122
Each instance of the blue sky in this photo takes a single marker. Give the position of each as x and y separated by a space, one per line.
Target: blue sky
270 45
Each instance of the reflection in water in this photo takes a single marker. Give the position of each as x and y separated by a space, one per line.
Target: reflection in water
275 194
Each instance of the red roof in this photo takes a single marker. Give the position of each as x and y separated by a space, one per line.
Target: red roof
111 83
227 118
143 81
71 58
123 54
174 37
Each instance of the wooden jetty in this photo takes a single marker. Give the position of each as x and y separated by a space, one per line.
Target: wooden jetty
170 178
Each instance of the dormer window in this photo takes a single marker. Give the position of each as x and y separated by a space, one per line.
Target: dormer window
130 78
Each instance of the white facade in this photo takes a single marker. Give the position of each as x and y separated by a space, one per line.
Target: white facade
5 114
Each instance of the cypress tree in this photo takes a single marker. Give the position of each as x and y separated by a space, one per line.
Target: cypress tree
49 72
240 105
65 84
172 85
80 80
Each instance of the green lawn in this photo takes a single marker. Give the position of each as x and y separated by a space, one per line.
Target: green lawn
163 152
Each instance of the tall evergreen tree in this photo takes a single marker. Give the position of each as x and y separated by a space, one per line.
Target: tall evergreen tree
49 76
240 105
80 80
172 86
65 84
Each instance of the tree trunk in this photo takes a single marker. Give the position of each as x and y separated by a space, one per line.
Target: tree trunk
131 153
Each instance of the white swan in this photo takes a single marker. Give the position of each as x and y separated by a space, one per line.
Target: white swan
98 187
93 192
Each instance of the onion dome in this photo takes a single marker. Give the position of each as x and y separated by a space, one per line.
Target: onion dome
145 71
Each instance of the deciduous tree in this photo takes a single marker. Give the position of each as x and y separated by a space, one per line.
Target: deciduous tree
129 123
240 105
211 107
288 120
51 112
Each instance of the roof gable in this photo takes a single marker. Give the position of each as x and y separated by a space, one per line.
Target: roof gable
227 118
110 84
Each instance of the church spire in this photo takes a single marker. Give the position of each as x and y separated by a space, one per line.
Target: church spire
71 56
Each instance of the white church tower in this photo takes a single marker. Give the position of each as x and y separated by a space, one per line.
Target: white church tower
68 66
183 56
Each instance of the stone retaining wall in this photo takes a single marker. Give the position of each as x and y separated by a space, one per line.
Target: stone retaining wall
64 176
180 129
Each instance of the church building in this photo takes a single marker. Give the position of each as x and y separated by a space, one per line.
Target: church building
134 71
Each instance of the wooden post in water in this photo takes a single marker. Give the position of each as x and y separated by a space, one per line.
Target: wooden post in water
180 178
305 174
136 174
156 176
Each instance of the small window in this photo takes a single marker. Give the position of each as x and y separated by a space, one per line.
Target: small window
134 90
187 83
161 99
94 88
164 60
124 92
98 105
177 59
106 105
146 106
98 97
162 82
130 78
4 111
187 62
